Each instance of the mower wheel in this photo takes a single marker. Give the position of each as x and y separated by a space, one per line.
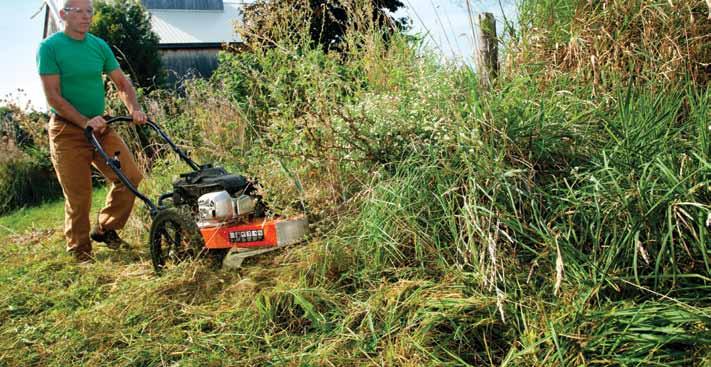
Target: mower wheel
174 238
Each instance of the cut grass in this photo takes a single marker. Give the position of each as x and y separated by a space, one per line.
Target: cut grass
47 216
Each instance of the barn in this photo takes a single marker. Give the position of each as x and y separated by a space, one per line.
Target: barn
191 32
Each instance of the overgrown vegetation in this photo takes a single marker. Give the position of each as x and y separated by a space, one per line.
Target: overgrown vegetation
26 174
553 221
320 23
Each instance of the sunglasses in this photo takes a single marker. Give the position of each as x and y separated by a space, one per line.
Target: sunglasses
88 12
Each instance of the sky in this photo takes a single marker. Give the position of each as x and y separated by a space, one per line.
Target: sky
444 23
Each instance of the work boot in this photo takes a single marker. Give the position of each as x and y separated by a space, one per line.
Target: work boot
82 257
109 237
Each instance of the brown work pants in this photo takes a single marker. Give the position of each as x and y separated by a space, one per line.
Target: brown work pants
72 157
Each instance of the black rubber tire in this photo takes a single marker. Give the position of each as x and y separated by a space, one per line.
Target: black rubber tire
174 238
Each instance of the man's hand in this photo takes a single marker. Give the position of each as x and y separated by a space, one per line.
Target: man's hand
139 118
128 96
98 124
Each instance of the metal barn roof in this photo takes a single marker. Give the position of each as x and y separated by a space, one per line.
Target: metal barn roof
190 28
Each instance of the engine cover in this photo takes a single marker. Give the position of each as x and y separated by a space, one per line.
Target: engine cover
191 186
215 208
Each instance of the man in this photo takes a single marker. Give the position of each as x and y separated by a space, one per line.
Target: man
70 65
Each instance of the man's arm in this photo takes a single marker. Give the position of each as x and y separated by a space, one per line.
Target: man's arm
128 95
53 92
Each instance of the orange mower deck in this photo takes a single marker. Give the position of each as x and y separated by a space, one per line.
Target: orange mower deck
256 234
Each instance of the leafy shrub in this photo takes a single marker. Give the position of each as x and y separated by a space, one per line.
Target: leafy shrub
25 179
26 173
126 26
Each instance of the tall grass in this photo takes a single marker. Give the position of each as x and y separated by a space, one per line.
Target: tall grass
601 41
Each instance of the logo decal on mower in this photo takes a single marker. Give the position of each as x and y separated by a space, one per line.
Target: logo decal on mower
247 236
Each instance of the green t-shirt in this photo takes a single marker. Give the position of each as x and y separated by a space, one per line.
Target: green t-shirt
79 65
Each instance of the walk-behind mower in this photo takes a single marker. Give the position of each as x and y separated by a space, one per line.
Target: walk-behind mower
209 210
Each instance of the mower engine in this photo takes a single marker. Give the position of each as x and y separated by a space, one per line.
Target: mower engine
217 208
231 215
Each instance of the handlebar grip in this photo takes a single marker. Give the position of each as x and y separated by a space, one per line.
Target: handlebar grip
89 131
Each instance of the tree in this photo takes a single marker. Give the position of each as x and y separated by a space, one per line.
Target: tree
126 26
326 21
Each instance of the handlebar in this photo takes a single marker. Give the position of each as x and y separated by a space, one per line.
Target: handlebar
89 133
116 166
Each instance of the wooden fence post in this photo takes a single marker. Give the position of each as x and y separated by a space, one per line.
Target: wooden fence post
487 58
